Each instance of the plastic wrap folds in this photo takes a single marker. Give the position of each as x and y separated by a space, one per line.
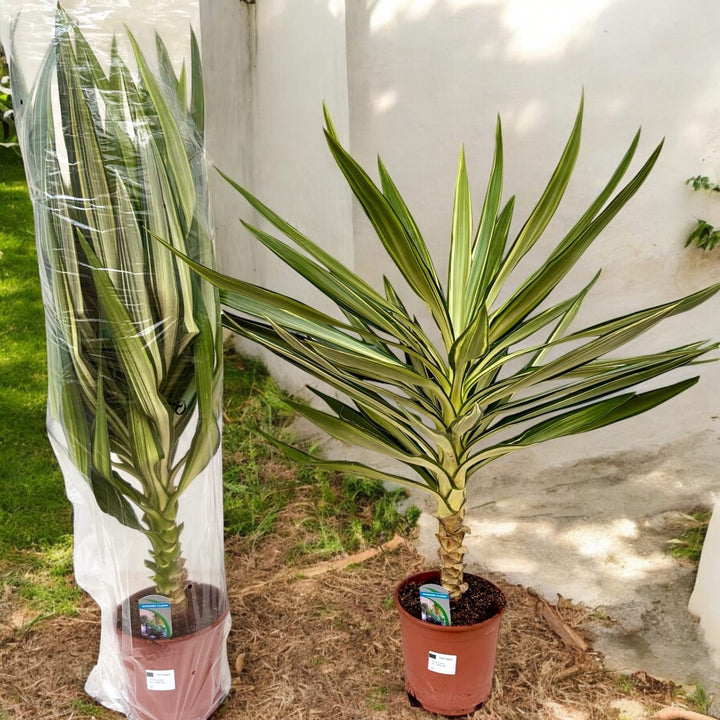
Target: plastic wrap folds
109 110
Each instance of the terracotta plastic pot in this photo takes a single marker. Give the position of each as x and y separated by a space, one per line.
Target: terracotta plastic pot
175 678
448 670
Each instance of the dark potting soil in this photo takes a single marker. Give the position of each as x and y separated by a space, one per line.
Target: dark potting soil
481 601
205 604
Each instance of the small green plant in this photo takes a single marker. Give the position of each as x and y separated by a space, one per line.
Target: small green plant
689 545
703 182
704 235
699 700
8 137
86 708
377 698
625 684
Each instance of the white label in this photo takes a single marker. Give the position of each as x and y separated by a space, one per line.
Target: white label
443 664
160 679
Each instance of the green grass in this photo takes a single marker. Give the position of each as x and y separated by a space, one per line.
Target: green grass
259 483
377 698
347 513
689 545
339 513
699 700
33 507
43 578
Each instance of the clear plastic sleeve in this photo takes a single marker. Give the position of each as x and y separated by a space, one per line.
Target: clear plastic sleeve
109 111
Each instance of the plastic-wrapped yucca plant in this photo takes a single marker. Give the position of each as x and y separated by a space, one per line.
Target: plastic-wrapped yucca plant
507 374
134 351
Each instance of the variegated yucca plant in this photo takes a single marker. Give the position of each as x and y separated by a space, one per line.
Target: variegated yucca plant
509 370
134 343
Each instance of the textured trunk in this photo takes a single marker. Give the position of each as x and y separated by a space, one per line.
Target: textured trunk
168 565
451 533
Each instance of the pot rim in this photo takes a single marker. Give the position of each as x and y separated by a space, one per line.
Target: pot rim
427 574
224 611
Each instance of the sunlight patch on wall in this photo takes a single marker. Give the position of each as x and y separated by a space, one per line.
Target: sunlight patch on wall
546 30
385 12
384 101
528 117
336 8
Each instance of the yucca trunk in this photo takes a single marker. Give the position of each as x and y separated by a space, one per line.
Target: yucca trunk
450 536
168 565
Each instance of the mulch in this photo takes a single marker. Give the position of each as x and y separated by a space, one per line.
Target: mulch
328 647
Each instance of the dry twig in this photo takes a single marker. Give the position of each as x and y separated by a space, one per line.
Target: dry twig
679 714
567 634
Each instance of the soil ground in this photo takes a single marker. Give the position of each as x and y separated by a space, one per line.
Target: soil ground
328 647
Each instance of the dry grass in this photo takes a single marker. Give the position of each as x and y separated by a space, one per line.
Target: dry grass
326 647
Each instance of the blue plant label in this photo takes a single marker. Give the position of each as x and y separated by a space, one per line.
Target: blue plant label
435 604
155 617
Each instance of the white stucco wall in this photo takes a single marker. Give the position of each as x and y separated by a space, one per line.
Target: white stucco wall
269 68
413 79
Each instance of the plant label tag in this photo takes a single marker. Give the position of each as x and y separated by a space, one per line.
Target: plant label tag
155 617
442 664
435 604
160 679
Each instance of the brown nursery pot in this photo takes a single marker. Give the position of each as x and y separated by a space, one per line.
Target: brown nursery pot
448 670
177 677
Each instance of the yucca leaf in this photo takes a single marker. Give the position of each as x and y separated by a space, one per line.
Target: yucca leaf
206 438
380 398
546 278
489 242
397 203
130 347
614 334
674 307
174 157
460 250
346 298
473 342
410 332
197 96
600 414
420 276
376 423
579 393
88 183
543 211
563 324
347 431
101 475
168 79
113 501
343 466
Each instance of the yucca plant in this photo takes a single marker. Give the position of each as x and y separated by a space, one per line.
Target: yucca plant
134 343
507 374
